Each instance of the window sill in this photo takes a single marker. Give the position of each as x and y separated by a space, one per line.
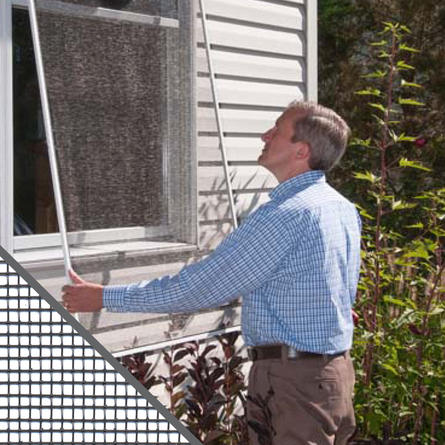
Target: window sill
52 257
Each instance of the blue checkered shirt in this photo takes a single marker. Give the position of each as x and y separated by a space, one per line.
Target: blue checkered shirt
295 260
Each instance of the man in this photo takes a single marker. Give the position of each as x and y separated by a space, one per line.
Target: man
295 261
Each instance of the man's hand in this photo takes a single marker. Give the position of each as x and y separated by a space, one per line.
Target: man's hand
355 318
82 296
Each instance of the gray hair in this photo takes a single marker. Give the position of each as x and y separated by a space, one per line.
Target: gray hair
324 130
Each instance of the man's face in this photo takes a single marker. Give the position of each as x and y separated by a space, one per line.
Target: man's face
279 150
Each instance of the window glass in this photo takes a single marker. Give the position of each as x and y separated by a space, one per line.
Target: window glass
34 209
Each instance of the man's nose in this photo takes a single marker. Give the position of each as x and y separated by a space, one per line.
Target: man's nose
265 137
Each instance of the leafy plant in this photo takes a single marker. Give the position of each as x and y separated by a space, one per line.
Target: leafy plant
204 400
140 369
206 392
175 378
233 390
215 393
400 345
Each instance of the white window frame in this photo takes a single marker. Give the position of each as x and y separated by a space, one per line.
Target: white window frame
6 131
14 243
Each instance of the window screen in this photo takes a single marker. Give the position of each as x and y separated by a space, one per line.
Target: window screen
113 75
56 388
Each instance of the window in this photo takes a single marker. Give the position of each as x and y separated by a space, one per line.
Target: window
119 82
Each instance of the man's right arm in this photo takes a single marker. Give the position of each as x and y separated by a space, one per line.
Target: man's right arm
243 262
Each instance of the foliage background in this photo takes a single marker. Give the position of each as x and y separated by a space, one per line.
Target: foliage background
399 347
345 28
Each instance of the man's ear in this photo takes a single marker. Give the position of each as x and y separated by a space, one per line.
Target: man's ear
303 150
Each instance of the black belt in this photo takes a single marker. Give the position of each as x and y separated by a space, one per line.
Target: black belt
276 351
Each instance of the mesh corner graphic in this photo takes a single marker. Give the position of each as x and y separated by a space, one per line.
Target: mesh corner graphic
58 385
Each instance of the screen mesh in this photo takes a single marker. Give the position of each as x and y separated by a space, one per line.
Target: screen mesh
55 388
111 82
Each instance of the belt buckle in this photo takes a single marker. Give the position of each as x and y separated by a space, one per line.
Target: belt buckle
252 354
292 353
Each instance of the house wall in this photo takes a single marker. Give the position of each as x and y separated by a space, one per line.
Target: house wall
260 55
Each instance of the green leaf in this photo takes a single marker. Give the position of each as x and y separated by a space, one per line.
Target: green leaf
362 142
389 198
410 84
375 75
390 26
384 55
379 120
404 138
404 47
396 301
367 176
438 232
401 65
437 310
390 368
401 205
410 102
376 421
415 226
378 106
366 214
405 28
369 92
381 43
414 371
395 110
413 164
407 316
419 252
394 136
401 138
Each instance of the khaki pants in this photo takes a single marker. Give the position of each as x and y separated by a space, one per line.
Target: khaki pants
307 401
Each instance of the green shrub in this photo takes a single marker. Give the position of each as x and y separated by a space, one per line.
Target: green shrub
400 344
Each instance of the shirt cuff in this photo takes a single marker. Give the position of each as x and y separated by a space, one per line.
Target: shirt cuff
113 298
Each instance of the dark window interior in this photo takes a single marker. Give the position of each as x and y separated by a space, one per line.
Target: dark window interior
34 210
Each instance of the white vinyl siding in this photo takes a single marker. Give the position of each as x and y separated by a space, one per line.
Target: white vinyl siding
258 49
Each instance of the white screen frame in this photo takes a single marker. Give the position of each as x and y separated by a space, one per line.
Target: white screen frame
14 243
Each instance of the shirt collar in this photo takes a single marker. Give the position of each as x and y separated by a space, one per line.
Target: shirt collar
296 184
